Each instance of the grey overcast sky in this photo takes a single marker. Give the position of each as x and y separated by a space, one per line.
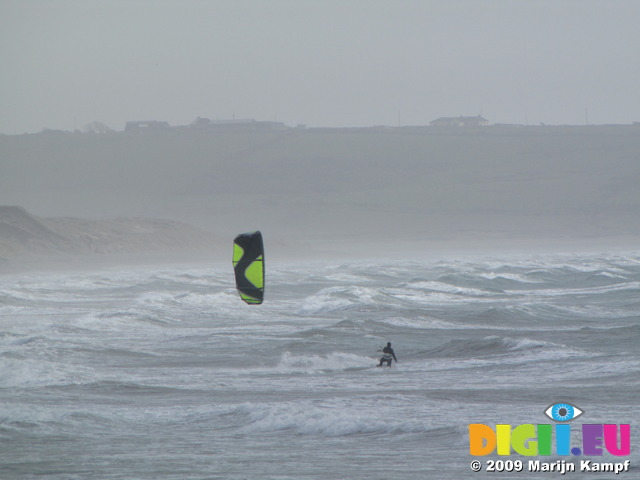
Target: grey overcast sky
66 63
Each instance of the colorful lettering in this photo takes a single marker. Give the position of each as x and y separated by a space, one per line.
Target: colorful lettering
544 439
530 440
522 436
482 439
611 439
592 439
563 439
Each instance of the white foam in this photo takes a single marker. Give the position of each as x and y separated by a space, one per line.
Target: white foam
330 418
558 292
436 286
530 350
323 302
22 373
423 297
509 276
290 363
429 322
337 298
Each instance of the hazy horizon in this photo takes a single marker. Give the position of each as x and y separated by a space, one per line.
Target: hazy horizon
340 64
472 188
336 64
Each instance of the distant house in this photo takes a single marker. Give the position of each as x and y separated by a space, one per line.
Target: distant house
146 126
236 124
478 121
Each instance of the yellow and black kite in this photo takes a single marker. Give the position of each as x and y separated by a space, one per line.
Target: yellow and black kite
248 265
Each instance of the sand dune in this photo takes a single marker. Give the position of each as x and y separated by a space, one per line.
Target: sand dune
26 237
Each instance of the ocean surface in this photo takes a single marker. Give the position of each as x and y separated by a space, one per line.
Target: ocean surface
164 373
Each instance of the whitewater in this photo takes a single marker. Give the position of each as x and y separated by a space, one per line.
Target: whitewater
164 373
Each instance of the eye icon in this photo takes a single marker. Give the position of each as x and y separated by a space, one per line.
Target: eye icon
563 412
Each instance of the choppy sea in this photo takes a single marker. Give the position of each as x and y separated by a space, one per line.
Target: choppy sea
163 373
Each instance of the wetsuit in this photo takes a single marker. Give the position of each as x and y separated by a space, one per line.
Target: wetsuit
387 356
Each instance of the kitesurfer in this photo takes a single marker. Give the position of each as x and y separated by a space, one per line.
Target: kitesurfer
388 355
